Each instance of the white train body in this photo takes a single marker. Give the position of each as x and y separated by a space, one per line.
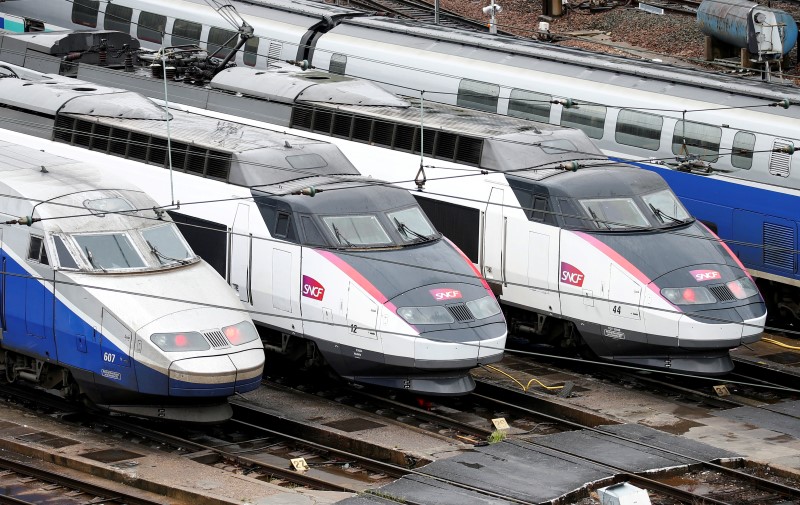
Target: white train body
113 306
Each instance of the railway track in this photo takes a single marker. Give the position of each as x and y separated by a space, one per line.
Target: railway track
422 11
522 410
22 484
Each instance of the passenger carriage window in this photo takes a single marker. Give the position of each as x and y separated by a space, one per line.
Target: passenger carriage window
589 118
84 12
250 55
701 140
118 17
37 251
638 129
742 153
529 105
151 27
220 42
185 32
338 64
64 257
478 95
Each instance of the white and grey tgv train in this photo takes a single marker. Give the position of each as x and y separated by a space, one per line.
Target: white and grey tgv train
354 276
101 298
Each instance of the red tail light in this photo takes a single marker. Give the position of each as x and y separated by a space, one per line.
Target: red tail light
736 289
180 340
232 334
689 295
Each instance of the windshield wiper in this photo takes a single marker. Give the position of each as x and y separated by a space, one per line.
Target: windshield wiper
91 258
597 220
405 230
341 237
158 254
661 215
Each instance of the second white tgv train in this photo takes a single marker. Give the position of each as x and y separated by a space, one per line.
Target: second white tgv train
334 267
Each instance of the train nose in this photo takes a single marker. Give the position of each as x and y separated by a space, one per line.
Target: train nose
211 352
459 325
720 305
216 375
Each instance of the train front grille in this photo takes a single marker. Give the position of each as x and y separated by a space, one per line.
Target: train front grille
217 339
722 292
460 312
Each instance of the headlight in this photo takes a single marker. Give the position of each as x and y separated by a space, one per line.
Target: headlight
743 288
425 315
241 333
185 341
688 296
484 307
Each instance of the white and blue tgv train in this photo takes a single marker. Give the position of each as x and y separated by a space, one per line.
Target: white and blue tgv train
749 197
354 276
571 283
102 298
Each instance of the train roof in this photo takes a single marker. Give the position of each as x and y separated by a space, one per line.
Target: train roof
349 195
127 124
606 181
487 140
648 75
57 188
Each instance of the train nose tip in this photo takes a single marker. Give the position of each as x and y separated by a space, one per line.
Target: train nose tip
216 375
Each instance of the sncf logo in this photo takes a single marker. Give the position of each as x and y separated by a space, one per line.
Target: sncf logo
571 275
445 294
705 275
312 288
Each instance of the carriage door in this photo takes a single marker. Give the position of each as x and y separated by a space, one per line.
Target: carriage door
241 256
494 238
362 316
624 307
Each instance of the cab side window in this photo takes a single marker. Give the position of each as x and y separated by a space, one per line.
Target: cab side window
37 251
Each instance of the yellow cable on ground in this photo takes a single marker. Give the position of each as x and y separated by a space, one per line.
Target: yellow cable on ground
781 344
526 387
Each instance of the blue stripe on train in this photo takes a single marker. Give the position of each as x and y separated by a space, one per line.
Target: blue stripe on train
74 343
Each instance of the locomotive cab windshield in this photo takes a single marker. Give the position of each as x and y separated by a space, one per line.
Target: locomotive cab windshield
145 249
